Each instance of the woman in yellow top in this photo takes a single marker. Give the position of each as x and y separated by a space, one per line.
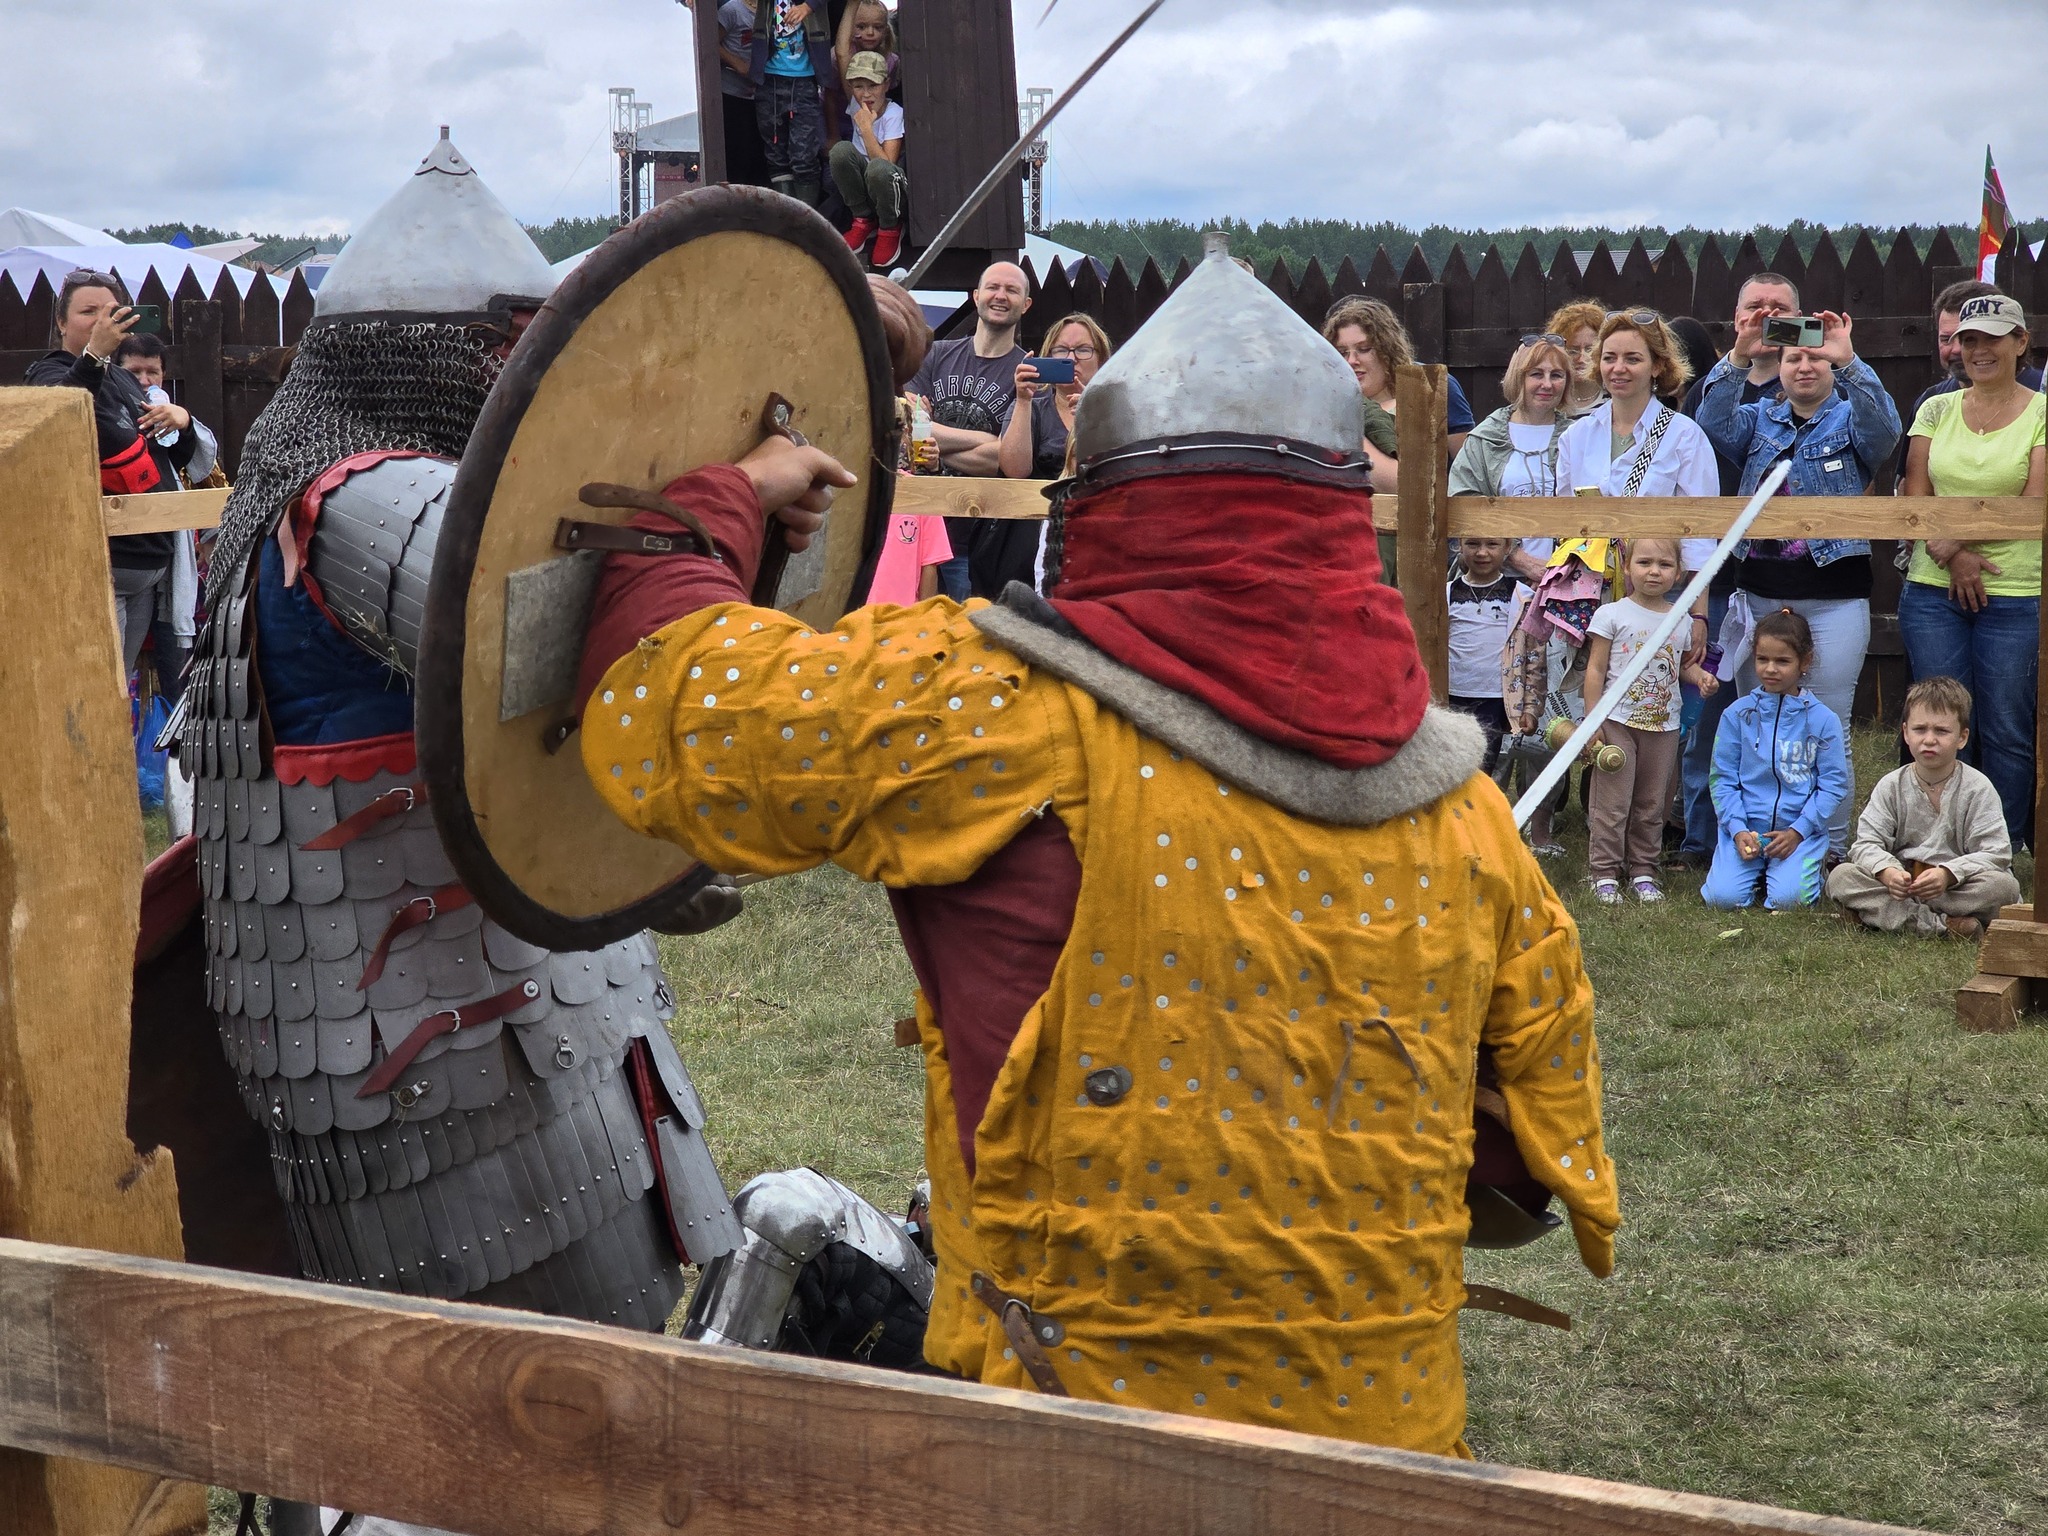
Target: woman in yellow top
1973 611
1212 912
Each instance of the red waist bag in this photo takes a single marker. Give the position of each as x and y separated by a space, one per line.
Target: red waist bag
131 471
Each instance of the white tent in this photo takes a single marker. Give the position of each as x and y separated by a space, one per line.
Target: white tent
131 263
24 226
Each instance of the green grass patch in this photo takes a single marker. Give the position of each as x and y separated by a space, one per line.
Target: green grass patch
1829 1289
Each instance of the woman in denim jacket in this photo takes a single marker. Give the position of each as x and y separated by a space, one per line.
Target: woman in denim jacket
1838 426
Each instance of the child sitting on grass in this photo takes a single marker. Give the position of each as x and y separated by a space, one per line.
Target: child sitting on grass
1780 769
1931 851
1625 812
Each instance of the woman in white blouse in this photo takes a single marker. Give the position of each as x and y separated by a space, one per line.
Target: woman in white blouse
1631 443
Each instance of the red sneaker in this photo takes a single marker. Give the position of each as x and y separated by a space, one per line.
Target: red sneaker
857 236
888 246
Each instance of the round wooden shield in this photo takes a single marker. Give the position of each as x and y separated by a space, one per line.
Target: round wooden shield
659 354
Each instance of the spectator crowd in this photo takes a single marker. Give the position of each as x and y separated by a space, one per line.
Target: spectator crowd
1728 753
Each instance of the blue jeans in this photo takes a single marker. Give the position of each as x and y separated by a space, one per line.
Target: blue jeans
1992 653
1702 829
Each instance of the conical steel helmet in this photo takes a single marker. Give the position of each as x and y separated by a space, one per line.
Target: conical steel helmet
441 246
1223 376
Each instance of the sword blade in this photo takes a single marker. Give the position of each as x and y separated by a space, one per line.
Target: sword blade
1008 162
1610 697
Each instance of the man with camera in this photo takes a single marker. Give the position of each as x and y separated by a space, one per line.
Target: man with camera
1761 297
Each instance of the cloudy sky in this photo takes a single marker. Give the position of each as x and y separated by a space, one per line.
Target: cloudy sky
301 117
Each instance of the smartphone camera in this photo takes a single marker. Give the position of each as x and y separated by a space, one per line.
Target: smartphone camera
1054 370
1793 331
149 320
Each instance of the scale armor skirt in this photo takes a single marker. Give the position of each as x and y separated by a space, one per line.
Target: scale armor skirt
509 1162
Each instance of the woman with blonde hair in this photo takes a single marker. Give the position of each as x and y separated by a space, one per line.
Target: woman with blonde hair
1579 324
1037 442
1632 444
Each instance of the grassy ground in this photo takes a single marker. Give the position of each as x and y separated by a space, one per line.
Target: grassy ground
1829 1291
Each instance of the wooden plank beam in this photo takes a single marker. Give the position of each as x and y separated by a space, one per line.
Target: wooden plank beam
508 1424
1787 517
70 892
957 496
163 511
1422 534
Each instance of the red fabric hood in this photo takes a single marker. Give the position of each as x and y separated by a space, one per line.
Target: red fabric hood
1259 596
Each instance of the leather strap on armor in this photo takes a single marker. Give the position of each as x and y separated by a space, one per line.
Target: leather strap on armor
393 802
447 1022
1024 1332
1488 1298
416 913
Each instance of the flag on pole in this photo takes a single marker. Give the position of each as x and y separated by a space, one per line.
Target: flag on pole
1996 226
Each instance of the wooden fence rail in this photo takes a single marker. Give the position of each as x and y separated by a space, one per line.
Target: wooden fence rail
508 1424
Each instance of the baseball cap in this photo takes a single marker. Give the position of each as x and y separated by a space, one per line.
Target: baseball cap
1994 315
868 66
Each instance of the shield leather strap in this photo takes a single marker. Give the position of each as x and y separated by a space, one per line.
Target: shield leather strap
446 1022
652 359
1489 1298
1024 1330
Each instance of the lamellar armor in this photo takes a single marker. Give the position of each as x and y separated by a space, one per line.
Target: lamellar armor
452 1111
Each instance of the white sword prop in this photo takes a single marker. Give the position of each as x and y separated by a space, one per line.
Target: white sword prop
1610 699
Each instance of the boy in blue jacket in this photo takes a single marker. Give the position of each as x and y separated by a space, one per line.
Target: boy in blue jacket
1780 769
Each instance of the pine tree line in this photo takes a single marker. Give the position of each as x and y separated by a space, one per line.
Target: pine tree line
564 237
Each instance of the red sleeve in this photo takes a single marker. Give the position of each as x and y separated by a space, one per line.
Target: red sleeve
640 594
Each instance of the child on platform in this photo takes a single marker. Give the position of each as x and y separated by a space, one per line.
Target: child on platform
1931 851
1482 600
1625 814
1780 769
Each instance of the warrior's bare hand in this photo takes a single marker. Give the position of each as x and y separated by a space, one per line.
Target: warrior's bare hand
795 485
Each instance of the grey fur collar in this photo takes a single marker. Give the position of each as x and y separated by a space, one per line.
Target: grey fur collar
1445 751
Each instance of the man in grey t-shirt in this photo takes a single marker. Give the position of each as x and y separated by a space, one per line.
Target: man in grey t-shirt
971 385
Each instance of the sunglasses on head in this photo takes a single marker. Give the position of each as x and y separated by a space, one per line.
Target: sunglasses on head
1549 336
1638 316
87 276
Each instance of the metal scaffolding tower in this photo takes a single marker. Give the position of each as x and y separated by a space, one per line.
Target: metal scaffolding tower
629 116
1033 107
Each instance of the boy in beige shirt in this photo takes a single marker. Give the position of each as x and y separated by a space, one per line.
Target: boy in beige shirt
1931 852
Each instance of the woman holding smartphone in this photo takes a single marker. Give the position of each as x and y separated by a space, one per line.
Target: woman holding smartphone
1034 444
93 318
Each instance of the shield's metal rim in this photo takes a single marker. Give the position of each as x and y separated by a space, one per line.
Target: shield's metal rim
444 640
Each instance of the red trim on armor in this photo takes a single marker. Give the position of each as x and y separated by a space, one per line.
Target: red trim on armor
416 913
446 1022
355 761
295 533
170 897
393 802
640 1073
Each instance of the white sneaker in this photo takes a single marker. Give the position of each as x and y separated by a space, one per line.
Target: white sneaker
1646 889
1607 892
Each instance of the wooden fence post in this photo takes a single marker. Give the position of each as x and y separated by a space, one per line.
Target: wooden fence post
70 882
204 390
1422 540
